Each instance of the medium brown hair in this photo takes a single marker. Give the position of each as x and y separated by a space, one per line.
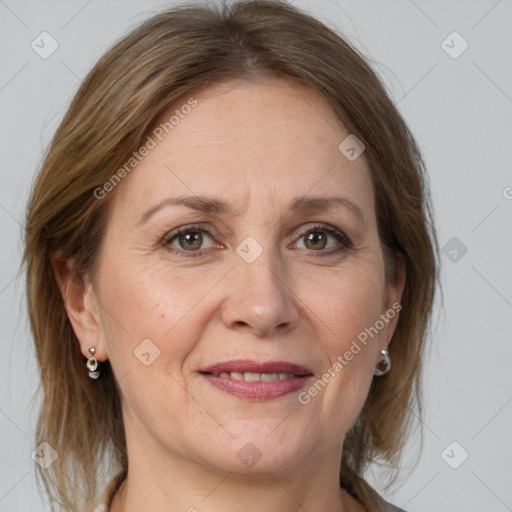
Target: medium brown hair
174 53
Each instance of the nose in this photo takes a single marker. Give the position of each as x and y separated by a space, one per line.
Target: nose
259 299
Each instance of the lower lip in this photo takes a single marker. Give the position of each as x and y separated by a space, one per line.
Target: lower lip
257 390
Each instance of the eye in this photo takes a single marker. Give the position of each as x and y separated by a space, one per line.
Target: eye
320 238
315 240
190 240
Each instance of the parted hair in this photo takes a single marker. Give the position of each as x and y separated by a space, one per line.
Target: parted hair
171 55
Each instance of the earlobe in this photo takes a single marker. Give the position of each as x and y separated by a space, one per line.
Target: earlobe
81 307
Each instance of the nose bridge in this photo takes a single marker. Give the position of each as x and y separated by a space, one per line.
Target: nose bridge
265 274
260 298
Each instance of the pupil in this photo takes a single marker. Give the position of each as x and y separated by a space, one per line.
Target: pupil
316 240
191 240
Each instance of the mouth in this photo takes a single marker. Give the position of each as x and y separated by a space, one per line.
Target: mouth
257 380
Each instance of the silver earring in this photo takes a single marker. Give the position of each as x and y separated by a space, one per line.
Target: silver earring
92 365
384 365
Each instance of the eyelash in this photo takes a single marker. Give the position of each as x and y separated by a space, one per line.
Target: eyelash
344 241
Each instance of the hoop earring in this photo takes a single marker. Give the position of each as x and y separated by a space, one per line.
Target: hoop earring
384 365
92 365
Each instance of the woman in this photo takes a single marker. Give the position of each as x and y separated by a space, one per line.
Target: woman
230 271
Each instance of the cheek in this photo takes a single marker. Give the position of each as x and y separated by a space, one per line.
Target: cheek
141 302
150 326
358 306
348 300
347 308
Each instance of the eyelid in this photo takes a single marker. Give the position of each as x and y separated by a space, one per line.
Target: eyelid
327 228
211 231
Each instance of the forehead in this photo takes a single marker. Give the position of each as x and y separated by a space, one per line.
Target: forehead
265 142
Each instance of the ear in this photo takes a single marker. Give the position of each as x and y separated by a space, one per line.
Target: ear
393 296
81 306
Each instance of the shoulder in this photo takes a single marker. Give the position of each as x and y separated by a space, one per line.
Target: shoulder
103 503
388 507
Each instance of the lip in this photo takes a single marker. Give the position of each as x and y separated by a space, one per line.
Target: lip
259 390
247 365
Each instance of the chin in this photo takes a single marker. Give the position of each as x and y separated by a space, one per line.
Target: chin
256 453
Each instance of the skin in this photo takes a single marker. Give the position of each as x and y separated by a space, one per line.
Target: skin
257 147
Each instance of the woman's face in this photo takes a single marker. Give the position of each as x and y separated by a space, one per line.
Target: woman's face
220 334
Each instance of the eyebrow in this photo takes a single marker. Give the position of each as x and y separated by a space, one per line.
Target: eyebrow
213 205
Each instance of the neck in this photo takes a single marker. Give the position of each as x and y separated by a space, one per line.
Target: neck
162 478
188 486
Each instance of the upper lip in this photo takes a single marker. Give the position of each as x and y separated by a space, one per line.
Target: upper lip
247 365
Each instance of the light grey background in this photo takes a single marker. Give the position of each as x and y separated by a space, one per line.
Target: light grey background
459 110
